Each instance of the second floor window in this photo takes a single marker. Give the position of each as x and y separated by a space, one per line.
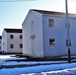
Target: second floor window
51 22
20 36
11 37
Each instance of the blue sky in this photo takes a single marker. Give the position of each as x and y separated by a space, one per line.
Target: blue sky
12 14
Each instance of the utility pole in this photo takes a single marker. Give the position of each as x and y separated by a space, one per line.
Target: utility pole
68 27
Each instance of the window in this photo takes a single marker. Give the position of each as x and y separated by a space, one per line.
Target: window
20 36
51 22
52 42
11 45
69 42
21 46
11 36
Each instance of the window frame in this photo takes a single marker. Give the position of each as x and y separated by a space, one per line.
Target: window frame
20 36
21 45
11 46
52 42
51 22
11 36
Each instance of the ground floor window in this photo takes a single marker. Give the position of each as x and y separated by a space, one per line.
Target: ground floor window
52 42
21 45
11 46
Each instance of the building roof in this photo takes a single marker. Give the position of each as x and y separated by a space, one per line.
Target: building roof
13 30
0 37
53 12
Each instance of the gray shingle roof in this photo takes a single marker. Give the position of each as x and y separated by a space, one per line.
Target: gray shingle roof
13 30
53 12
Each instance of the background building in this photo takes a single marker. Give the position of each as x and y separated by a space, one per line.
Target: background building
45 34
12 41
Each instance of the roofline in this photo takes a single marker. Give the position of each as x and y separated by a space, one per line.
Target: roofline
11 30
53 12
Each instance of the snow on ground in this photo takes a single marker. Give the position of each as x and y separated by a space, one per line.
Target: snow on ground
10 57
31 63
71 71
6 56
54 68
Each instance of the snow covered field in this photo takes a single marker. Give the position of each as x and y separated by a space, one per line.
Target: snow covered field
54 67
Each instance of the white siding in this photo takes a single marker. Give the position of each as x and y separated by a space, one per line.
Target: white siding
73 35
16 41
7 41
59 32
40 46
4 41
33 48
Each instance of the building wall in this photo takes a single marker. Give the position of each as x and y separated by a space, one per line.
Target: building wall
4 41
40 46
59 33
32 25
72 35
16 41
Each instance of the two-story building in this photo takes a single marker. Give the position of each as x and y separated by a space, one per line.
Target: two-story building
45 34
12 41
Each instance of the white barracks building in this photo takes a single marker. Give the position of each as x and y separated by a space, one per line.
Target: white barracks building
45 34
12 41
